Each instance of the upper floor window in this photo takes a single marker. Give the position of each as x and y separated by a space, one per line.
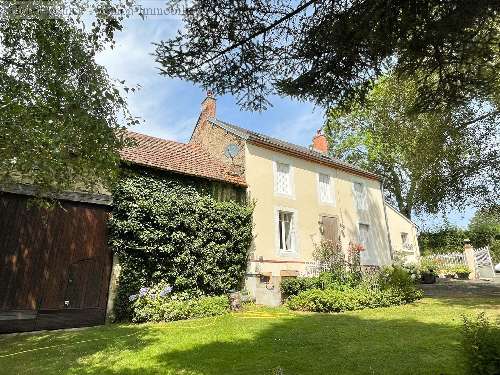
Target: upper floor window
326 194
359 190
283 179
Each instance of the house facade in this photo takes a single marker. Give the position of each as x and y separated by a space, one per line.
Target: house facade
301 195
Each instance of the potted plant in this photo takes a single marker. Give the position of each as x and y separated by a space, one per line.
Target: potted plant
462 272
428 268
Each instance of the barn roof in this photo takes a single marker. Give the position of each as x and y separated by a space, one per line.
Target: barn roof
184 158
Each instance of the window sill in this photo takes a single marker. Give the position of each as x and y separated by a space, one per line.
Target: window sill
281 195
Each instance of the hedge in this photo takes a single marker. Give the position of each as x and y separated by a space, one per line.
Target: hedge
169 228
338 300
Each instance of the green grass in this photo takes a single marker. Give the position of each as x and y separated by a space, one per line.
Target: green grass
421 338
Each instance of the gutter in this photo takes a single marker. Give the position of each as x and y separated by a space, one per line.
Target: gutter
303 156
391 252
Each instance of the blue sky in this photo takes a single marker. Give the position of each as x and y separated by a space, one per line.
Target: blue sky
169 107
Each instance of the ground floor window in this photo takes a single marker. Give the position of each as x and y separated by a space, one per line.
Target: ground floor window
286 231
364 239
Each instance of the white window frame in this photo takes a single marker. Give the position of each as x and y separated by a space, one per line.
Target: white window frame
333 196
364 204
407 246
294 252
291 195
367 257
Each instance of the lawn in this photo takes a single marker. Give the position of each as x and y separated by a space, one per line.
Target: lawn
421 338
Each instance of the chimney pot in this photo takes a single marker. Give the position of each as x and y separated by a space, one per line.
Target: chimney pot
208 105
320 143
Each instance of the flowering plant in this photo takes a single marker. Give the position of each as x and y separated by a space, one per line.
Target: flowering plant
356 247
161 290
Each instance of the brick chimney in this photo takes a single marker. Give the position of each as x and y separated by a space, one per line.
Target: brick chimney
208 106
319 142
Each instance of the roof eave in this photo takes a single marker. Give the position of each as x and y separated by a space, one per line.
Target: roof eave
184 173
301 155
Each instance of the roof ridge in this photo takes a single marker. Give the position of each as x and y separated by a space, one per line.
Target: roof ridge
157 138
292 147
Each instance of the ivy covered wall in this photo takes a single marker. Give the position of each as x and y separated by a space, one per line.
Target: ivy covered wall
174 228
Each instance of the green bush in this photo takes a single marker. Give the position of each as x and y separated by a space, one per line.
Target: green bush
159 304
428 264
397 277
293 286
460 268
481 344
391 285
361 297
447 239
172 228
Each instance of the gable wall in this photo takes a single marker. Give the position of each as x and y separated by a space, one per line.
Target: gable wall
398 224
215 140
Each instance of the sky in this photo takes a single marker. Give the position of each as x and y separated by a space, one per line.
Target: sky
170 107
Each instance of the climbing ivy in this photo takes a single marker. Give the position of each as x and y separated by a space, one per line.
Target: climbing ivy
168 227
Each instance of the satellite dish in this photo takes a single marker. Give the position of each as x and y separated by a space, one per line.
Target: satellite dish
232 150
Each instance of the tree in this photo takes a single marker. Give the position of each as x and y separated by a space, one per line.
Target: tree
484 229
330 51
60 114
428 161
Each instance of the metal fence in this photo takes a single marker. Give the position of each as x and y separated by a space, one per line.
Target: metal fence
314 268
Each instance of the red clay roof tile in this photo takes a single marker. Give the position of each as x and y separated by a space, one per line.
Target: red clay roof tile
184 158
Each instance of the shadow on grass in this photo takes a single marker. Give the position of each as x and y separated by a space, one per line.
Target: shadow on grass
311 344
466 302
423 338
51 352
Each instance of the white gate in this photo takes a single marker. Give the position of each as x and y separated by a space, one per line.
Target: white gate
483 263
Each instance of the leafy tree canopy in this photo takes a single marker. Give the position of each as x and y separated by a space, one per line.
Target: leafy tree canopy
60 114
330 51
429 161
485 225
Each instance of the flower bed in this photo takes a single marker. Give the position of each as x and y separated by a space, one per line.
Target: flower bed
390 286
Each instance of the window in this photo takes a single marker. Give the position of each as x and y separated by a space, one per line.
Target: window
404 238
364 231
406 241
283 183
286 231
325 188
367 255
360 195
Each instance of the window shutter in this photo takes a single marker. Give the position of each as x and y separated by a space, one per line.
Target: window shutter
325 189
360 196
283 184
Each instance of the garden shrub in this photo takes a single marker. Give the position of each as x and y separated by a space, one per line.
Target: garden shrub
396 277
360 297
166 227
481 344
159 304
392 285
292 286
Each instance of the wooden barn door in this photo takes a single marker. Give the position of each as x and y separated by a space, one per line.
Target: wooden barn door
55 265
